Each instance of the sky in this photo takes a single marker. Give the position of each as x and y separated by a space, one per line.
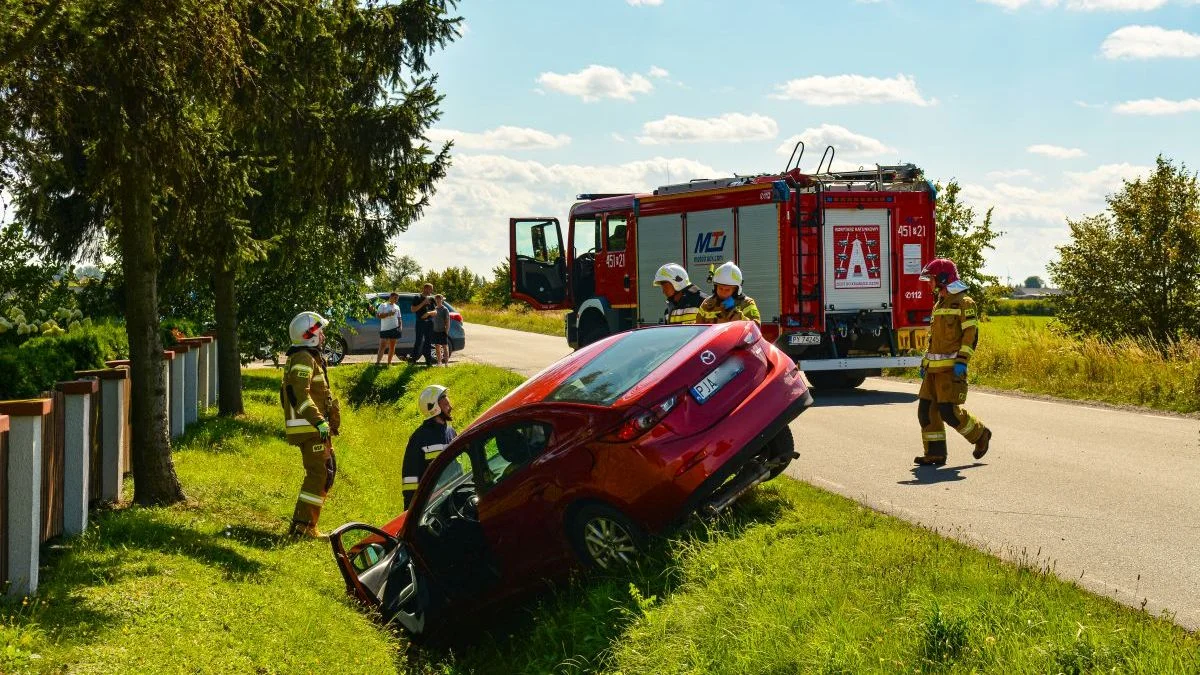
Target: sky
1038 108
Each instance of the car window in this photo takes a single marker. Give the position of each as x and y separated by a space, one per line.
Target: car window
509 449
450 475
616 233
625 363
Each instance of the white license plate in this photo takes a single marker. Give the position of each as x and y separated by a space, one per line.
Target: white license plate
704 389
802 339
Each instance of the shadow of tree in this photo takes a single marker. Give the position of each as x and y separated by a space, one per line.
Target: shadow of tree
368 389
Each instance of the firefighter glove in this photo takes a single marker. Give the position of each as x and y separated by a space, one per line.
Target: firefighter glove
728 303
924 367
960 370
323 429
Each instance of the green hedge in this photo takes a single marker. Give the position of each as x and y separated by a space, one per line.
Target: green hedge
32 368
1009 307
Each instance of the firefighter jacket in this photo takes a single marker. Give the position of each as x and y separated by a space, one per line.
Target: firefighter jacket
684 306
305 396
424 446
744 308
953 331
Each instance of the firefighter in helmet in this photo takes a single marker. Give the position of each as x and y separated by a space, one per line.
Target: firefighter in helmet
728 303
428 441
953 336
311 418
683 298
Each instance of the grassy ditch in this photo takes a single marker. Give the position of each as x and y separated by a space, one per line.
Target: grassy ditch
793 580
516 317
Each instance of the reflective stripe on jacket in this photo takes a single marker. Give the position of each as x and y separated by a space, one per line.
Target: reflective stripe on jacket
684 307
953 331
304 395
744 309
424 446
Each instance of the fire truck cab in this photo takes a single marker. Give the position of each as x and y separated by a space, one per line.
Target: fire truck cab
832 260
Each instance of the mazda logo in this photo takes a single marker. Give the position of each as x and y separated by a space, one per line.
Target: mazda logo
707 357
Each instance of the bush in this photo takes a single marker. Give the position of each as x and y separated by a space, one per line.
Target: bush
32 368
1008 307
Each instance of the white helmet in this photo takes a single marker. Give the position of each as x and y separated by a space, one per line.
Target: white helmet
427 402
673 274
305 329
729 275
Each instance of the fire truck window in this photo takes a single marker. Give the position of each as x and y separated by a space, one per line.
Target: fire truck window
616 233
532 240
585 235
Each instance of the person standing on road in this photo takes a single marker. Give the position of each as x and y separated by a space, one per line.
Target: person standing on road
953 337
440 316
311 418
429 440
683 298
422 345
389 328
728 303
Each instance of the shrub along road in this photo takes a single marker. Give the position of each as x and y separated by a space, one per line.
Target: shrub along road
1105 497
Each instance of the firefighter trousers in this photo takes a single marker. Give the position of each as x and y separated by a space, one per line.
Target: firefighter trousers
319 470
941 398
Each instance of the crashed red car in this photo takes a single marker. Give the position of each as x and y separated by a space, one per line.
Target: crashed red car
620 440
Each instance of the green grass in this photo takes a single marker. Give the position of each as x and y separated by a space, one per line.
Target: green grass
1034 355
792 580
516 317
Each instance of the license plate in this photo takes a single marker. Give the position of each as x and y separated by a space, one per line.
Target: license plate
802 339
704 389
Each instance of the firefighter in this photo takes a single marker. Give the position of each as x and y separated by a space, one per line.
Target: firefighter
953 336
311 418
683 298
428 441
727 302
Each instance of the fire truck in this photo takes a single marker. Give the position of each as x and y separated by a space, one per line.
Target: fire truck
831 258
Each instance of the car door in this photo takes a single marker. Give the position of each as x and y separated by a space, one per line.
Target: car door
380 572
408 324
537 262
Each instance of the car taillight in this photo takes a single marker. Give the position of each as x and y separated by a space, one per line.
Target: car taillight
752 335
455 316
643 421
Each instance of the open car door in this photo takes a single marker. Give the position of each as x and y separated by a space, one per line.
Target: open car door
537 262
380 573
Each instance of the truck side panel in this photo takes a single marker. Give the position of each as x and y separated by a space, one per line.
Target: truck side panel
758 235
659 241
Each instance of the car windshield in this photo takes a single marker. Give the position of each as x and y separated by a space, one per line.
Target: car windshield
625 363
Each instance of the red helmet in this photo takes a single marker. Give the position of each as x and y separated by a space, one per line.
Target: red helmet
943 270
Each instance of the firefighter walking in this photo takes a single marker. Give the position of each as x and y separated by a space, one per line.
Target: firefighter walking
728 303
683 298
311 418
429 440
953 337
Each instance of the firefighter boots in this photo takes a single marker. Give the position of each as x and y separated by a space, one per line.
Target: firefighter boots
981 445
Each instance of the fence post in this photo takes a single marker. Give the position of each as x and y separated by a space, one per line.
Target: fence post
203 376
77 453
191 371
173 358
214 375
24 524
112 422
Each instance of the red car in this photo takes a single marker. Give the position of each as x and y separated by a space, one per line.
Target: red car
620 440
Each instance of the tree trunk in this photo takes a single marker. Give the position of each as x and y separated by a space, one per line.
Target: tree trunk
229 365
154 479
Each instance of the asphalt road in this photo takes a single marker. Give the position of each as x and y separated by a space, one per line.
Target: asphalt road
1104 497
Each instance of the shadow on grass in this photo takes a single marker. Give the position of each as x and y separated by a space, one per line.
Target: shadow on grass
860 397
572 625
932 475
206 434
368 389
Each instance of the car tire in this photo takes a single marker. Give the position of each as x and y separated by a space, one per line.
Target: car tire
780 449
335 350
592 330
604 538
832 380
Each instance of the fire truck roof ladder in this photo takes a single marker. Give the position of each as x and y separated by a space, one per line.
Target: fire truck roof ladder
829 152
589 196
799 146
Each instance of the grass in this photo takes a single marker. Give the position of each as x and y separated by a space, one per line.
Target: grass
1034 355
516 317
792 580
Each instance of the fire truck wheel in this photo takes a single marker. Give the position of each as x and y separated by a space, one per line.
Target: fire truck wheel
592 330
833 380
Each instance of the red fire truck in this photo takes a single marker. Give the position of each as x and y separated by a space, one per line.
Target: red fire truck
832 259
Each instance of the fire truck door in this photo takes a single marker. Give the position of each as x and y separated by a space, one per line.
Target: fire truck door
616 264
537 262
858 272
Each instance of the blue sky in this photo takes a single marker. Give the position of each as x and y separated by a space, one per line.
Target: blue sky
1037 107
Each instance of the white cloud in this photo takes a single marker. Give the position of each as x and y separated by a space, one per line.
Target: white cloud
1011 5
851 89
1158 106
1010 173
1085 104
596 82
655 71
500 138
731 127
846 143
1055 151
619 138
1081 193
645 3
1086 5
1150 42
466 222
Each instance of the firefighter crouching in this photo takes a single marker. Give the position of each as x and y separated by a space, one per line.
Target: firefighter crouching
727 302
683 298
953 337
311 418
428 441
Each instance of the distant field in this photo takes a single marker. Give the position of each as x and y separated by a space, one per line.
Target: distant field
516 317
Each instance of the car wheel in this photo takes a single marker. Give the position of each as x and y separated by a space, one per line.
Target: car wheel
832 380
604 539
335 350
779 451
